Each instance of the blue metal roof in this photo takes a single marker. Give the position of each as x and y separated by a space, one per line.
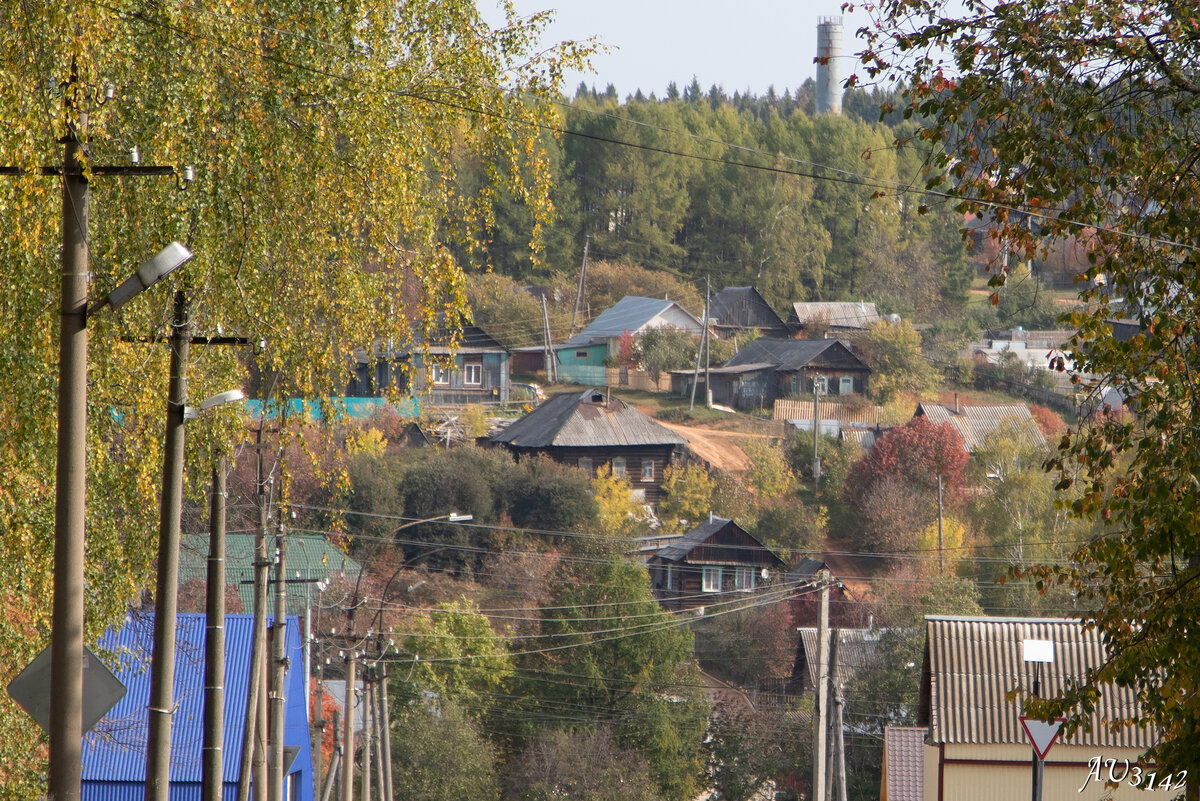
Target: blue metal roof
114 752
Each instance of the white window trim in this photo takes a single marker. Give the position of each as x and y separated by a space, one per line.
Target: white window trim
439 375
647 475
745 579
477 369
619 467
669 581
706 583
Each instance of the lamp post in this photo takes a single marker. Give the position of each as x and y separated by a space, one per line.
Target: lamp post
66 633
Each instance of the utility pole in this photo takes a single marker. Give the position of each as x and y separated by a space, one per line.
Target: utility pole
549 361
278 693
839 702
818 386
941 553
368 731
385 723
831 722
707 344
334 761
579 294
162 670
212 779
348 730
66 659
821 715
319 720
699 356
252 737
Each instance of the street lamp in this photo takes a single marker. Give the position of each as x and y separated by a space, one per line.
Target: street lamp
66 631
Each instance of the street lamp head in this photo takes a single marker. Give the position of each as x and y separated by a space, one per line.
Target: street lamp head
213 401
455 517
154 270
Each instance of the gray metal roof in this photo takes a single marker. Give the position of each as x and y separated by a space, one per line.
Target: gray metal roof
792 354
972 664
841 314
974 423
631 314
586 419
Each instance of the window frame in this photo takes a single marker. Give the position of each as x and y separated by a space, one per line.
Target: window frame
708 572
647 474
745 579
477 369
439 376
619 468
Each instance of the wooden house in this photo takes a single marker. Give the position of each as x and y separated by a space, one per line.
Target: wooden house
474 370
710 563
975 422
736 309
768 369
589 429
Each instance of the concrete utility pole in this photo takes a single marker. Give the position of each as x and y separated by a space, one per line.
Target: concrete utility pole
278 695
941 554
253 735
368 712
821 713
66 636
162 665
582 277
385 723
549 361
348 731
211 778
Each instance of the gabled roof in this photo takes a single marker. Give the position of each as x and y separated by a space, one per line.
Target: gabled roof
856 649
794 354
586 419
742 307
309 557
704 533
854 413
974 423
114 752
972 664
838 314
633 314
474 340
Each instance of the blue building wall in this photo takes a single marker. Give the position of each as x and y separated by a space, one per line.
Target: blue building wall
114 752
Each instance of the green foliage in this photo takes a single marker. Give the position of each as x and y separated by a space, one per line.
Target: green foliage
664 349
457 654
617 513
502 307
893 351
546 495
769 473
1058 114
582 764
788 525
441 755
689 497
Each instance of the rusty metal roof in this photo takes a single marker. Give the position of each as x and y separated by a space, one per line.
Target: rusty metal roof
973 664
586 420
974 423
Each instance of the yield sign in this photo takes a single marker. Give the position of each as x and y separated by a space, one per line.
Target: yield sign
1041 734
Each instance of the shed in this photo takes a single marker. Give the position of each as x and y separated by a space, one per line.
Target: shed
114 752
741 308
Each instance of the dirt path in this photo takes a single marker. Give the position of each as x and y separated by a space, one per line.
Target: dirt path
721 449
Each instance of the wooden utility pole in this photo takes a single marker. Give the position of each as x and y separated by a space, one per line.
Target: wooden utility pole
699 356
831 721
816 460
258 646
279 663
385 726
941 554
368 731
821 710
582 276
212 772
549 361
335 761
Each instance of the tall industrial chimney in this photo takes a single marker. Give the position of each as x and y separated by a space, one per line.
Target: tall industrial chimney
829 65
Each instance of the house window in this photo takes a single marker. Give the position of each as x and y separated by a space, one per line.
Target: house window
618 466
669 581
439 375
744 579
647 470
581 354
473 375
712 578
585 463
845 385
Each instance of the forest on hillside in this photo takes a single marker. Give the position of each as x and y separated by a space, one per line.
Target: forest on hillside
741 190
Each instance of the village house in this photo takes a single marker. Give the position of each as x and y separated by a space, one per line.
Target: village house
709 563
768 369
590 429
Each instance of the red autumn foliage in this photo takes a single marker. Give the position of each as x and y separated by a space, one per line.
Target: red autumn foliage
917 452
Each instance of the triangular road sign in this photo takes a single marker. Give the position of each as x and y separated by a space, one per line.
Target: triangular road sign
1041 734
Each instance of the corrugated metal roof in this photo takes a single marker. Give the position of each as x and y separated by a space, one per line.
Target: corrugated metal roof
859 414
309 557
856 649
973 663
114 752
631 314
864 437
974 423
586 419
904 763
842 314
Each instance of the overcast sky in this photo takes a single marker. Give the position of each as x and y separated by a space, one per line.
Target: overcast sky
738 44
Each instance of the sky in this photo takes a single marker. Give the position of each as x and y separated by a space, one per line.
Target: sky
740 45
